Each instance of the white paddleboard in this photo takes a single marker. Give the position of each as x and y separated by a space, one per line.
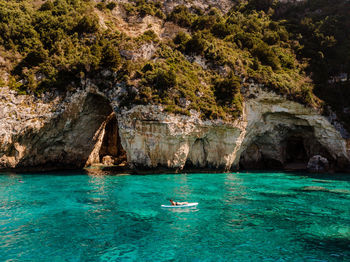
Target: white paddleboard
186 205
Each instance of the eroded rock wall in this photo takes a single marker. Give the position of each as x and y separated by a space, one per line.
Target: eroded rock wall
71 132
154 138
269 124
59 134
273 120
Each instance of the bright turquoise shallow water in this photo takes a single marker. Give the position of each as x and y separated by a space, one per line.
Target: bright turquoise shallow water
240 217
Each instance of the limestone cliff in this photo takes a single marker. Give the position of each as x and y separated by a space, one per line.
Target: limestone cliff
77 130
105 86
59 134
153 138
272 133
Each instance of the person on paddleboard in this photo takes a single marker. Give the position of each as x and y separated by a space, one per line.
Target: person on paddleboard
177 203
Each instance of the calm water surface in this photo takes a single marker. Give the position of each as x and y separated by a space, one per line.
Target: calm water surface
240 217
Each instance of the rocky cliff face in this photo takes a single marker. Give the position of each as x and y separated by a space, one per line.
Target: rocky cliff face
88 126
153 138
281 132
273 133
59 134
83 128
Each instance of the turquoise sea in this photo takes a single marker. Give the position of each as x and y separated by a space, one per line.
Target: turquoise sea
240 217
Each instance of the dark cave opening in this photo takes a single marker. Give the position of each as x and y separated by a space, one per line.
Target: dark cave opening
111 149
110 140
111 144
197 157
295 150
107 148
288 148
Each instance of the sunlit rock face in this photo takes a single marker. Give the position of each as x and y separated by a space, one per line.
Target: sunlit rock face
154 138
272 133
63 134
88 127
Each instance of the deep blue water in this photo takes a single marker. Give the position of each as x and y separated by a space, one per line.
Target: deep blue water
240 217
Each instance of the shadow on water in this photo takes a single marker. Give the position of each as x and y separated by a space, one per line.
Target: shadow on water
68 172
324 177
335 246
276 195
320 177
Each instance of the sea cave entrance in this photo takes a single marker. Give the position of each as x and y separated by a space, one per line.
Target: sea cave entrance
297 149
111 151
107 149
287 148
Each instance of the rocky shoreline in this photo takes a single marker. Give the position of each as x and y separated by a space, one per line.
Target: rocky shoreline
88 127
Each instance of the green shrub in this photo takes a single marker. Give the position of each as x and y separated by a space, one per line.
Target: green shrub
196 44
175 109
110 57
245 40
35 57
283 35
149 36
87 24
101 6
228 95
181 16
266 55
214 12
271 38
63 41
159 13
181 38
143 8
14 84
203 22
264 5
287 60
147 67
48 5
226 88
163 80
129 9
111 5
221 30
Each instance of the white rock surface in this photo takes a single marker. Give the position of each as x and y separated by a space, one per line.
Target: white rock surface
68 131
153 138
61 133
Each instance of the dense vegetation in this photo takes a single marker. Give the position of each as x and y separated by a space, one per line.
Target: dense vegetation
323 29
59 42
212 59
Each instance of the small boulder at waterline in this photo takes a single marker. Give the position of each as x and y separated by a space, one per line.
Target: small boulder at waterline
318 164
